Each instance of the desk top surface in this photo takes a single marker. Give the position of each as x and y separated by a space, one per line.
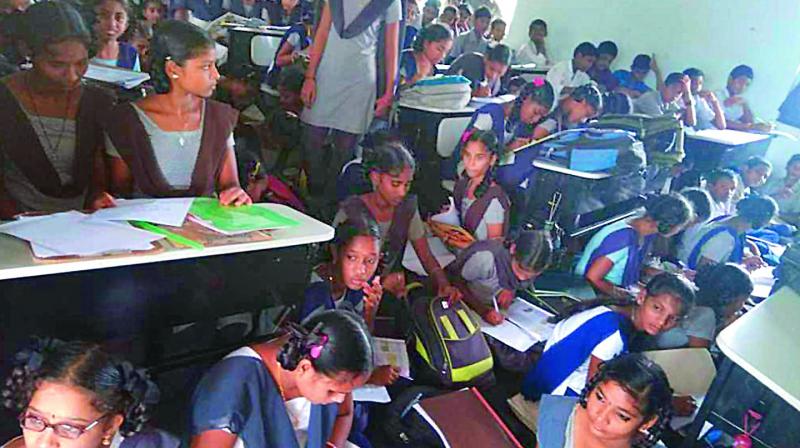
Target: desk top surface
16 260
764 342
552 166
727 136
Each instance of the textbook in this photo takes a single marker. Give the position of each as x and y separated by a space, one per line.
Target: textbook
230 220
121 77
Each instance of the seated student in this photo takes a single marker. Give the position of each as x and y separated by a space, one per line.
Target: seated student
390 168
515 85
598 330
291 391
709 111
284 12
583 103
614 258
74 394
786 190
176 142
464 22
627 403
448 17
493 270
485 72
617 103
480 201
248 8
701 205
412 28
567 75
497 31
295 40
738 115
206 10
474 40
723 240
139 35
722 290
152 14
631 82
110 23
430 12
44 165
721 185
534 50
675 97
753 174
601 69
430 48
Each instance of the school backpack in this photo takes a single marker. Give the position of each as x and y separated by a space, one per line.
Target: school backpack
448 346
404 426
449 92
662 136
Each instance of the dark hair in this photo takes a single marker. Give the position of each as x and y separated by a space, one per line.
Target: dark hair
451 9
388 157
617 103
51 22
742 70
499 53
609 48
646 382
341 339
719 285
641 62
585 49
537 22
719 174
90 13
668 210
673 78
756 161
674 285
431 33
517 81
540 92
117 387
498 21
494 147
533 249
700 200
590 94
483 12
177 41
464 7
291 78
361 225
792 160
693 73
757 210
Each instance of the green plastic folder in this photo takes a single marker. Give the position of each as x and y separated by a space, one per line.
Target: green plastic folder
245 218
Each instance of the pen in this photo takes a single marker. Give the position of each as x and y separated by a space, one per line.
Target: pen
410 405
172 236
494 301
255 171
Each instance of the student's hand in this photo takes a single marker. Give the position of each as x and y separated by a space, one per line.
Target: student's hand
654 64
450 292
753 262
395 284
686 84
309 92
708 96
683 406
505 298
763 126
493 317
102 200
373 293
482 91
234 196
384 376
383 105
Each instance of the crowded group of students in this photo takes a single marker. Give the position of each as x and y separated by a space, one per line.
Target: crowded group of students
68 145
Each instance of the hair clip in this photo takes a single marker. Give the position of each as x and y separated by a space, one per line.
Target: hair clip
538 82
466 135
315 349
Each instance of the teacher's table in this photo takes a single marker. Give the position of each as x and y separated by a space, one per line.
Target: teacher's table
143 295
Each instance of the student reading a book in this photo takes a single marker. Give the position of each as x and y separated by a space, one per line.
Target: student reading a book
722 290
50 121
491 271
598 330
573 111
73 394
110 22
613 259
390 169
293 391
176 142
429 48
626 404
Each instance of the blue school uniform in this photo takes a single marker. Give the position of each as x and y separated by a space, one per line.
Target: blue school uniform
626 80
564 365
239 395
318 298
257 11
128 58
738 246
202 9
555 413
411 34
297 33
619 242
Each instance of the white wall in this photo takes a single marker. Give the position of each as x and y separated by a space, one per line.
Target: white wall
713 35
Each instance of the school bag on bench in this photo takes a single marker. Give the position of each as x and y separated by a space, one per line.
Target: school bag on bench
447 345
449 92
662 136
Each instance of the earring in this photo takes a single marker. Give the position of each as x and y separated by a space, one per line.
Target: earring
106 441
174 76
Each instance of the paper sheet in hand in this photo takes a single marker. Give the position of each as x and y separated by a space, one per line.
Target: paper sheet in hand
234 220
524 326
169 211
373 394
127 79
392 352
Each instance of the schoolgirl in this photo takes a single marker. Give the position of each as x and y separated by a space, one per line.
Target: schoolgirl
430 47
295 40
50 121
177 142
110 21
574 110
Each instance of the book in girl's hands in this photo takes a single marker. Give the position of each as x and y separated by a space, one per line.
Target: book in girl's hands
230 220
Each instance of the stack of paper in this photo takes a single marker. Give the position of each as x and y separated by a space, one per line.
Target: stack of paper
127 79
73 234
169 212
388 352
235 220
524 325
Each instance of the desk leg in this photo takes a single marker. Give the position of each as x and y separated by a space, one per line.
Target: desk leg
713 394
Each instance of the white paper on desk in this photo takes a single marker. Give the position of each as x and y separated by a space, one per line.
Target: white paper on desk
438 249
763 281
168 211
531 319
392 352
373 394
127 79
679 422
509 334
502 99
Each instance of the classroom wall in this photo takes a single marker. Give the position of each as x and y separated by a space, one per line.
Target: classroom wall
713 35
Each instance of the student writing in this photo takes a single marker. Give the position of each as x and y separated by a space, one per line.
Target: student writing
567 75
485 72
430 47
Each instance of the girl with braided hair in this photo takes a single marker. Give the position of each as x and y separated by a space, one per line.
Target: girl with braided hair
74 395
627 404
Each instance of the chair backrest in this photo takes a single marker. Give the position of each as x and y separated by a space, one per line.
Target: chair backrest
263 50
450 130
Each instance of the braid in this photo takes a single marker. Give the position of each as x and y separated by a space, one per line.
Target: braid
589 304
493 146
651 436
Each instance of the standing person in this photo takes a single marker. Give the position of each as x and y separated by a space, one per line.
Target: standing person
111 20
341 82
50 121
709 109
535 50
601 69
474 40
567 75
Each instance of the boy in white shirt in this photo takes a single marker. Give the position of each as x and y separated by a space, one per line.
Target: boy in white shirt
534 51
707 106
567 75
738 115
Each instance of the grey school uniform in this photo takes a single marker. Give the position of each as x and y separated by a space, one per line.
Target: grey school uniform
347 75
